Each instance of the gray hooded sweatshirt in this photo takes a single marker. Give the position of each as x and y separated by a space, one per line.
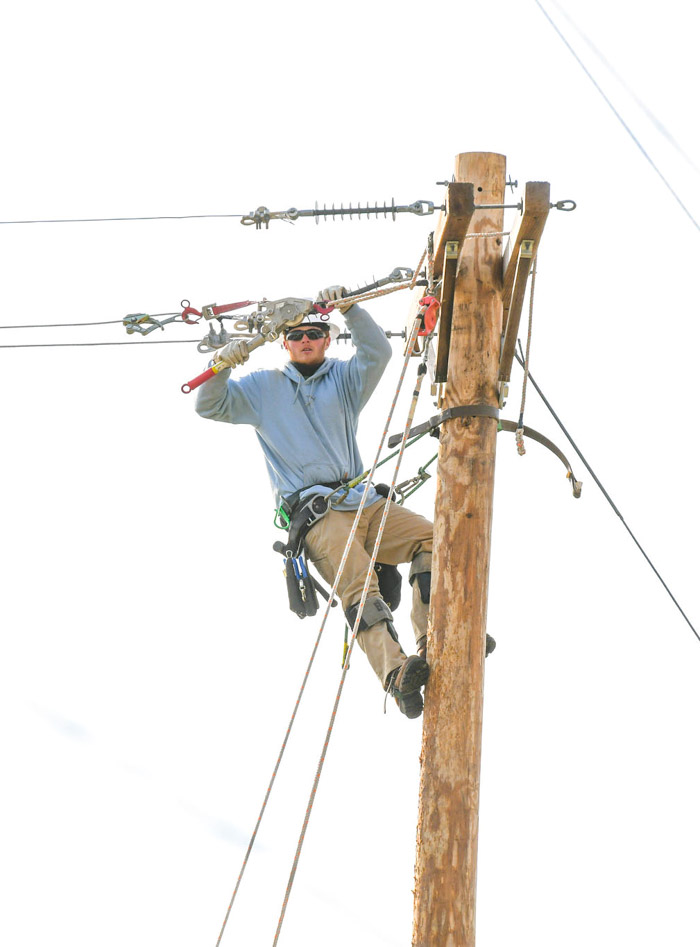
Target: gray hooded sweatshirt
307 426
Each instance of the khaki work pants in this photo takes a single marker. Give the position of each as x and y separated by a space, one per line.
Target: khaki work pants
406 535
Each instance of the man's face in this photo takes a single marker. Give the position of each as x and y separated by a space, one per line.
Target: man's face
305 350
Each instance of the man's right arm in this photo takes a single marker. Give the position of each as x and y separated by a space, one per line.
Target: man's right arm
223 399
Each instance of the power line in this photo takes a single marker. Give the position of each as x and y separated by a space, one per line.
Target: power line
617 114
62 325
94 220
660 127
602 489
53 345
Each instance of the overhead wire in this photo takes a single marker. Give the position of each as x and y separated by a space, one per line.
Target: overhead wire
96 220
77 325
618 115
660 127
74 325
360 298
521 360
61 345
64 325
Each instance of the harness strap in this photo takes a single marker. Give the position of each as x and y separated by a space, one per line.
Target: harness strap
291 502
302 519
460 411
530 432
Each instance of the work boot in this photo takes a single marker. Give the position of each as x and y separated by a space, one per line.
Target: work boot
404 684
422 646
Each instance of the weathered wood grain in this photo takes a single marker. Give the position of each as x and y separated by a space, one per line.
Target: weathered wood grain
445 880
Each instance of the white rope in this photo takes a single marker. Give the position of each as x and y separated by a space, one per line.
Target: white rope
331 596
520 431
341 568
363 599
474 236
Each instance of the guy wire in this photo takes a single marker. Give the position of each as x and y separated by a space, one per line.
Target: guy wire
605 493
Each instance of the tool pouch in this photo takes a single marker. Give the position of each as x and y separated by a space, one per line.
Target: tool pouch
301 517
303 600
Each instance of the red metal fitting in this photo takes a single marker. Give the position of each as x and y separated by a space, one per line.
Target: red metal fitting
215 310
430 315
200 379
190 309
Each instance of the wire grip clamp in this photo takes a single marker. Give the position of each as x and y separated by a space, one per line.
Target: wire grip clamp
271 318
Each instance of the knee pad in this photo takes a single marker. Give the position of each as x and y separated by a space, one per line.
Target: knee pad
389 579
420 572
423 579
375 610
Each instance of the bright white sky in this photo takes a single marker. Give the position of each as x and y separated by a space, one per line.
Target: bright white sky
151 664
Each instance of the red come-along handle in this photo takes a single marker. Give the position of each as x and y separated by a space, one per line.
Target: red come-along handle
200 379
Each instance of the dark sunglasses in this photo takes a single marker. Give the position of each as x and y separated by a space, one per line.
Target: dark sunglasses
313 334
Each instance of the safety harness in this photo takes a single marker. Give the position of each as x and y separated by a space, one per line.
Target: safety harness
299 517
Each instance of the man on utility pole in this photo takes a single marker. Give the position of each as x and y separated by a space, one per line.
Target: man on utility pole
305 417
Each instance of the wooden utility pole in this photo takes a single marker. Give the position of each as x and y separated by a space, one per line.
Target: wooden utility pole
445 893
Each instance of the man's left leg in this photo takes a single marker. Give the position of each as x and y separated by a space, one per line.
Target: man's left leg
325 544
400 675
407 537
